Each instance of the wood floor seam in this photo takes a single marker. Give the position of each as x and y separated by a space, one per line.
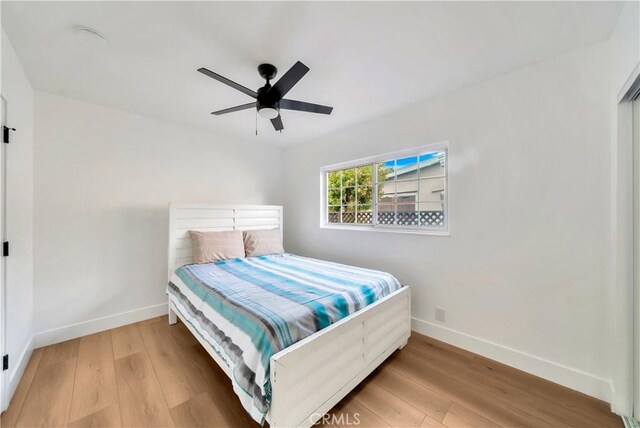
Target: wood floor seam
146 350
75 374
445 413
113 355
413 382
381 415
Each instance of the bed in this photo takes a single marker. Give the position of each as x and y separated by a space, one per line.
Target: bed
308 374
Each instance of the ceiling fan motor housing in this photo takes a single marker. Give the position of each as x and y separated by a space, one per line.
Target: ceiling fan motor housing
263 102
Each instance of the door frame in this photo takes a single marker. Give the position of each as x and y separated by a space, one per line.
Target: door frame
4 374
636 256
626 250
624 266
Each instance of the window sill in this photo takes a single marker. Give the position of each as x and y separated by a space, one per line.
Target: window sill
405 230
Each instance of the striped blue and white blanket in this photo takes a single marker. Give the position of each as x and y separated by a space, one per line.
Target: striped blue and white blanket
249 309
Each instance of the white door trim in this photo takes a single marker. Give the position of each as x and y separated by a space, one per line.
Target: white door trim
624 196
623 262
636 257
4 374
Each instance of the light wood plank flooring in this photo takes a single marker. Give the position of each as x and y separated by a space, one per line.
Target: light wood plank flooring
152 374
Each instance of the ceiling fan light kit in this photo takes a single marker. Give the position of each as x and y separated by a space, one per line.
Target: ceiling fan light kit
268 112
269 100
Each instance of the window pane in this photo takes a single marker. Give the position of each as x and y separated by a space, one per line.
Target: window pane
432 215
407 214
406 168
349 196
407 187
408 198
437 197
349 177
348 214
432 164
364 175
386 192
432 190
333 179
365 195
386 171
386 214
407 207
333 197
334 215
431 206
364 214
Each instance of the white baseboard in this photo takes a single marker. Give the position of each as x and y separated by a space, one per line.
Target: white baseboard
60 334
18 370
554 372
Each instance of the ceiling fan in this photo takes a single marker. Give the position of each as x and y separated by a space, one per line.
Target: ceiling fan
270 99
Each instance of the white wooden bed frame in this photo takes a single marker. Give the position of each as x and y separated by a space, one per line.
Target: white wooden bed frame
314 374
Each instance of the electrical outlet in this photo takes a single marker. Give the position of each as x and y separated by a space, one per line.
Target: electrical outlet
441 314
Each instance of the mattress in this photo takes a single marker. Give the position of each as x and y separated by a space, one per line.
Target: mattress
248 309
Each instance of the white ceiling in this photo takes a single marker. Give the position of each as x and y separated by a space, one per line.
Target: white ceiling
366 59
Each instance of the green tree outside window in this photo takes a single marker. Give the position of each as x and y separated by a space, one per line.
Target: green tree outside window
344 185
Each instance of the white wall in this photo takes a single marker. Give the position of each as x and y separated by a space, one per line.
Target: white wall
103 182
523 276
625 58
625 44
17 90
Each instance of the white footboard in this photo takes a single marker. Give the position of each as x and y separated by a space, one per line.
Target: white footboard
313 375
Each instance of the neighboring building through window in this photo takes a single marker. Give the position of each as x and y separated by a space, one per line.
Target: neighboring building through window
405 191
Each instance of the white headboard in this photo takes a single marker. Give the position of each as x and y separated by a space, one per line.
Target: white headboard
207 217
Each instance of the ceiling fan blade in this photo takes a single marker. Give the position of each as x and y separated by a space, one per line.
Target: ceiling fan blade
277 123
302 106
286 82
226 81
232 109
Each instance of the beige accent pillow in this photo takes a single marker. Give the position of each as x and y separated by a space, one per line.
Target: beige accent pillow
213 246
262 242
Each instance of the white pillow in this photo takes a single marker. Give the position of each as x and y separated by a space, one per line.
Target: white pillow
262 242
212 246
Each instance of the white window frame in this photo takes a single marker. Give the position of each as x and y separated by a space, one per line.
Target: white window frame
414 151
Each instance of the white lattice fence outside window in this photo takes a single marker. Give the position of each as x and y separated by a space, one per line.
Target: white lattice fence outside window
408 218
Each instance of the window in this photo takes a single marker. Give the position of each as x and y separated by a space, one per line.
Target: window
404 191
